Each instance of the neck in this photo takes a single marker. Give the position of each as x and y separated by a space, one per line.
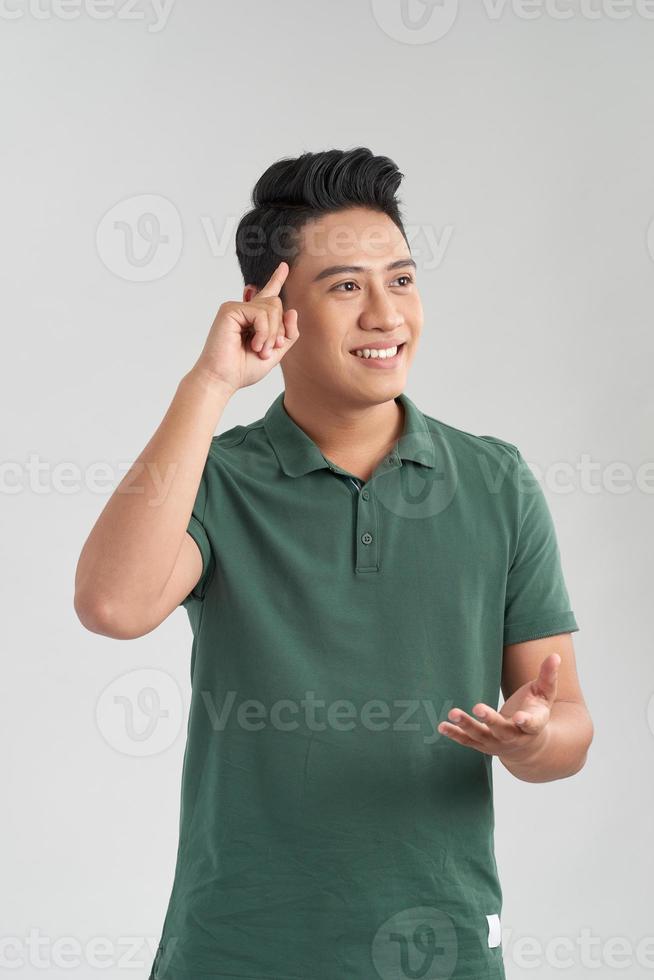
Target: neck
354 437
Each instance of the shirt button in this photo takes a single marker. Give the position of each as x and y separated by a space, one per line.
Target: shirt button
365 494
366 537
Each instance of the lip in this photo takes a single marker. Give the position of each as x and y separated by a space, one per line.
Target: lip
382 363
379 345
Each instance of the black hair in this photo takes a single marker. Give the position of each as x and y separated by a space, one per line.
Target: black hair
294 191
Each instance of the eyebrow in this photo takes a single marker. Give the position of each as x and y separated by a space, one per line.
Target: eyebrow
337 270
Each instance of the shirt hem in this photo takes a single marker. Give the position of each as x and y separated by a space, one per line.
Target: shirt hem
496 972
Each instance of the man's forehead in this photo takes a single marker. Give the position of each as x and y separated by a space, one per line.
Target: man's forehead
356 238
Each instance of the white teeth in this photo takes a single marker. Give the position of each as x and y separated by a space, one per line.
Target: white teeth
373 352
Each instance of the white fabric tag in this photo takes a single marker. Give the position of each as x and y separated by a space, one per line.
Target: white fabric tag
494 930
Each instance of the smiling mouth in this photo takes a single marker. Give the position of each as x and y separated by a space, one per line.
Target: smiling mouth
371 353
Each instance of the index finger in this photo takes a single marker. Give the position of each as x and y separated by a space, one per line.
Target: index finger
276 281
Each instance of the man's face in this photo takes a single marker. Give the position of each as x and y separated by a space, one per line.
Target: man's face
341 308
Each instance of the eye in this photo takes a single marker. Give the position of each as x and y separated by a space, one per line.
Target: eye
351 282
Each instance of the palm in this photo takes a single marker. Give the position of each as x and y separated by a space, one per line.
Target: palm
531 698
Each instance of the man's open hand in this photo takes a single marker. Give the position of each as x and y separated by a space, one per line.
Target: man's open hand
519 728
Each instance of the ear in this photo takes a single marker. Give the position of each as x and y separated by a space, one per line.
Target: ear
249 292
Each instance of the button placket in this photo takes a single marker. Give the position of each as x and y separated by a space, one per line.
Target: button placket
367 533
366 519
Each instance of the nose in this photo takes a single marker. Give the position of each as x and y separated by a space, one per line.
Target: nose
380 311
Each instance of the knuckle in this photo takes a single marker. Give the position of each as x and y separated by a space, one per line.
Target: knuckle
274 302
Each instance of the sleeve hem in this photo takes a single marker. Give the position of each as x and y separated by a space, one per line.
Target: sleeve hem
199 535
538 628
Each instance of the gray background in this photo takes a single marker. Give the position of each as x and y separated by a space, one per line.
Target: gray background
527 142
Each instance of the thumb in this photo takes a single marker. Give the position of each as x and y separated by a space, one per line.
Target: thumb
525 722
547 680
290 325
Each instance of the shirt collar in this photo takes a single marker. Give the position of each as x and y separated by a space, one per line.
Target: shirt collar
298 454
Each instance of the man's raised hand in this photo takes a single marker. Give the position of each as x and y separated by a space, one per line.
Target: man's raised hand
248 338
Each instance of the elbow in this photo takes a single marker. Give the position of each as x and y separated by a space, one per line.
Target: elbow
590 734
98 615
93 612
585 747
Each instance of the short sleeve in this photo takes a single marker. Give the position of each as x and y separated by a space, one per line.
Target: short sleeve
537 601
197 529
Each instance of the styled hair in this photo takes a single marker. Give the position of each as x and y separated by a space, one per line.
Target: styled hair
294 191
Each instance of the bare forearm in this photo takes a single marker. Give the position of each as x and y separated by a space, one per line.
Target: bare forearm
561 748
132 548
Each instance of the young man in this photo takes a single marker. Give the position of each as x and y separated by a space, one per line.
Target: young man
361 579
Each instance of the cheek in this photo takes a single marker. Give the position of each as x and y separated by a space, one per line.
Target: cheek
319 347
415 307
325 332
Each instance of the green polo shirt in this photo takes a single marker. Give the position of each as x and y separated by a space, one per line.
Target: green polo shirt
327 830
